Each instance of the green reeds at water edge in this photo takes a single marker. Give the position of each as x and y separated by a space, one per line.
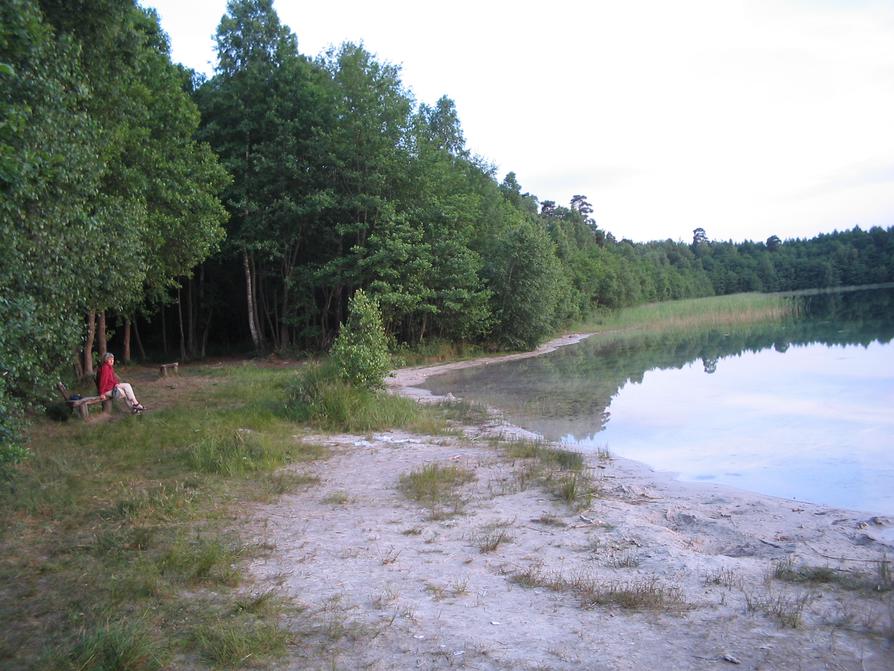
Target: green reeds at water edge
696 312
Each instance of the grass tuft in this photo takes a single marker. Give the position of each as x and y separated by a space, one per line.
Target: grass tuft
857 581
568 460
201 560
119 646
641 594
435 486
787 609
491 536
236 641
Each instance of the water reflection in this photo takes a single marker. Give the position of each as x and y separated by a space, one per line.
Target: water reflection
800 409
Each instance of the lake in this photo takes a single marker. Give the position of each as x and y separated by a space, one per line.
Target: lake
802 409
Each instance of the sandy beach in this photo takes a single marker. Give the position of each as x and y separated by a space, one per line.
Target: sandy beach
651 574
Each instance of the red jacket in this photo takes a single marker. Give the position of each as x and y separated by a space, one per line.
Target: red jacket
105 379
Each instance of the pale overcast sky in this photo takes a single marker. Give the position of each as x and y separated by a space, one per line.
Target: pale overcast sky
745 118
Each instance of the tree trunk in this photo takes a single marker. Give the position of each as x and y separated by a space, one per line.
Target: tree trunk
256 314
88 345
191 322
102 344
182 336
126 353
252 308
78 365
164 331
205 334
264 306
283 326
136 333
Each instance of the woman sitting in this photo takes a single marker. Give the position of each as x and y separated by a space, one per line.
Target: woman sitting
110 387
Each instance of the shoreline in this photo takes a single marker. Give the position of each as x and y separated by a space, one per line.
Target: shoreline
697 575
409 382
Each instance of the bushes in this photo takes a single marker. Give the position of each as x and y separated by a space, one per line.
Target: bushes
360 353
317 395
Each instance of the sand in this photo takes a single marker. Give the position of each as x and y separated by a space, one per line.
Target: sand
385 584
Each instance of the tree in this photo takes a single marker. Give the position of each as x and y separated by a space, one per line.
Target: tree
580 204
49 175
156 206
525 278
699 237
360 352
261 112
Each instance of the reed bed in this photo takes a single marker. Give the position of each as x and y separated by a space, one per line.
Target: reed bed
713 311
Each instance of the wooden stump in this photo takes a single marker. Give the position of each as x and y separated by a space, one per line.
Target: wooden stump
166 369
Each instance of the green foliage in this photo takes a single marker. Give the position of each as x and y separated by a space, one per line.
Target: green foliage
526 278
318 396
106 197
360 353
48 176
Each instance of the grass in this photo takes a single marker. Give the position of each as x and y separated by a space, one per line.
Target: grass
787 609
117 548
491 536
117 645
117 538
559 471
645 593
714 311
435 486
434 352
547 455
237 640
875 582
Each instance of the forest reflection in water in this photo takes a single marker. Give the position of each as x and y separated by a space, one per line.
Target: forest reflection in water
798 409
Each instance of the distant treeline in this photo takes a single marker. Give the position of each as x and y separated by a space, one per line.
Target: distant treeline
242 212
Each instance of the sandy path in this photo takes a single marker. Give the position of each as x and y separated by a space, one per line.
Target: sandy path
385 586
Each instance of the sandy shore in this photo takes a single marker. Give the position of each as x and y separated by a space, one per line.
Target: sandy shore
384 584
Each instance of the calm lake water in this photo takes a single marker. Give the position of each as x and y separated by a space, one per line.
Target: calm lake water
801 410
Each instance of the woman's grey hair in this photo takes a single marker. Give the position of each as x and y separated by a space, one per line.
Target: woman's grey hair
107 356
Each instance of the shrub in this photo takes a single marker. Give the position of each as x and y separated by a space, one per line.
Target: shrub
360 353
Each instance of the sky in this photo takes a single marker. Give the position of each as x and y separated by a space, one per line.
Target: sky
745 118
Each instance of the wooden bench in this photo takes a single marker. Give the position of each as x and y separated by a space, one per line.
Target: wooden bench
166 368
82 405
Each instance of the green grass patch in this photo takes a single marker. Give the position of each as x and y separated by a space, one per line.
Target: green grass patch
713 311
567 460
115 646
117 541
557 470
317 397
239 640
436 487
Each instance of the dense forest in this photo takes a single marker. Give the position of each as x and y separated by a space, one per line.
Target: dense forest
241 213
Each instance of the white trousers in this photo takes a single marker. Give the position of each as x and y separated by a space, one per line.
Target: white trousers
124 389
